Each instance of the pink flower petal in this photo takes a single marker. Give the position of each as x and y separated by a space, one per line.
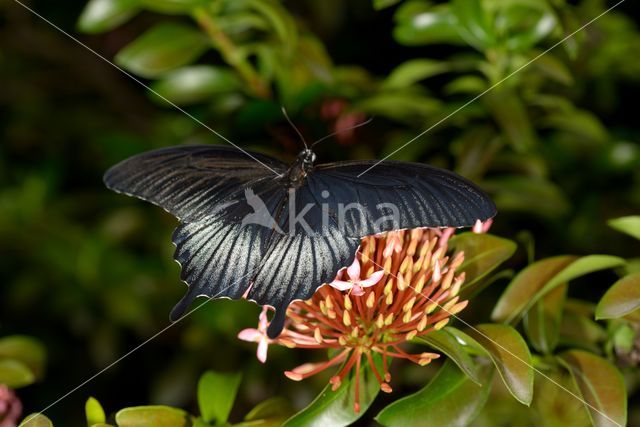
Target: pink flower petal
372 280
250 335
477 227
341 285
357 290
354 270
263 346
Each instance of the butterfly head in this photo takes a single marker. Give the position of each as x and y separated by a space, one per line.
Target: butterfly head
301 167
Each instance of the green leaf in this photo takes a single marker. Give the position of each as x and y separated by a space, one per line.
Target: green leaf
601 386
173 6
161 49
510 113
216 394
152 416
15 374
526 285
99 16
447 343
279 18
36 420
404 107
94 412
335 408
621 299
419 23
26 350
197 83
483 253
272 412
450 399
542 322
473 23
541 277
627 224
529 28
383 4
411 72
517 193
511 356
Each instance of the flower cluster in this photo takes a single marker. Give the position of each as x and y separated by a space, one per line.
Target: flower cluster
401 285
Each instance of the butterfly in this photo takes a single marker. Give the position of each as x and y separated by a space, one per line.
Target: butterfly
252 226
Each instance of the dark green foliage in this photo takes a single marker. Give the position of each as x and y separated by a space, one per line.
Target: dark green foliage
553 136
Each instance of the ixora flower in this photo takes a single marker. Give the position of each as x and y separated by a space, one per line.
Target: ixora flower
402 284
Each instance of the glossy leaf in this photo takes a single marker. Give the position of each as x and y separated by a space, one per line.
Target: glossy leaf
152 416
601 386
25 349
450 399
542 322
15 374
510 354
483 253
447 343
216 394
335 408
36 420
196 83
94 412
103 15
161 49
411 72
419 23
541 277
621 299
526 285
627 224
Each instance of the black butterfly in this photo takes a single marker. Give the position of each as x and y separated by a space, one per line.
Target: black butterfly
276 237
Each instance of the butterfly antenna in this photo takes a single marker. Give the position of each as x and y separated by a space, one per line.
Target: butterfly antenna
286 116
339 131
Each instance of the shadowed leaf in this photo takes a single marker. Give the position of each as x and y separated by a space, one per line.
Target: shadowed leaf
601 386
542 322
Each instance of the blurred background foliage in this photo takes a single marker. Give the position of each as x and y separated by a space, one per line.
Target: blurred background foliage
90 274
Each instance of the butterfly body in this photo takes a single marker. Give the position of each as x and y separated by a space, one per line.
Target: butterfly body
252 226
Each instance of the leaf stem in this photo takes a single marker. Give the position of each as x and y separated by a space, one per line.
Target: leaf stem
230 53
